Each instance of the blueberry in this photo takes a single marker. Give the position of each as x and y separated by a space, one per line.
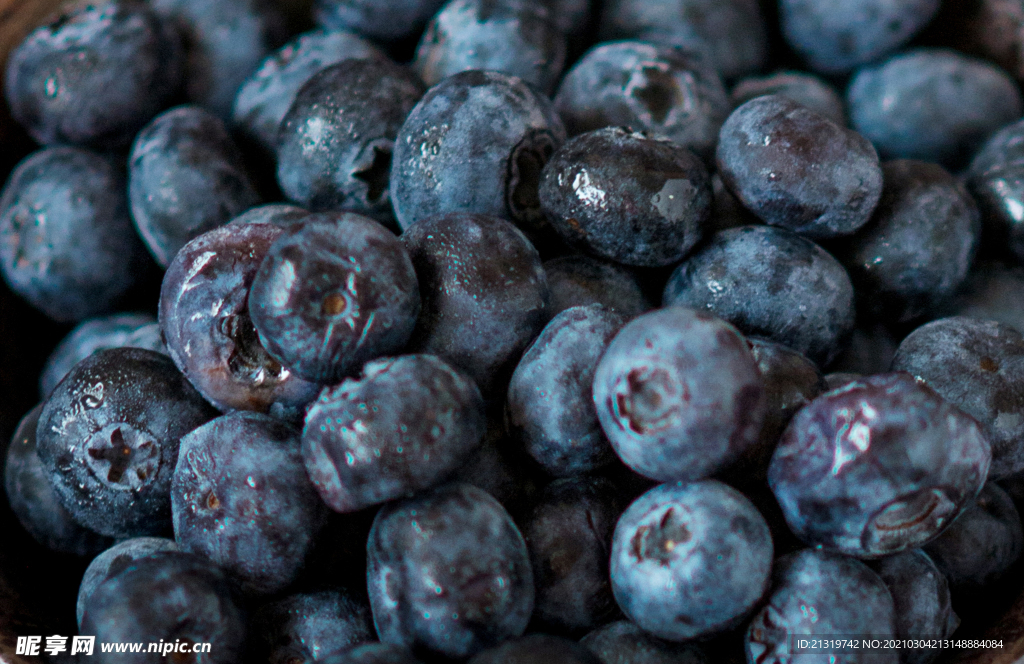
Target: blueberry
115 560
690 559
912 105
407 424
550 407
448 572
515 37
332 293
384 20
801 87
622 642
282 215
578 281
108 438
94 75
171 597
264 97
67 244
916 251
310 627
770 282
536 649
836 38
484 294
626 197
373 653
204 314
819 594
135 330
335 143
34 502
993 291
879 466
995 178
799 170
667 92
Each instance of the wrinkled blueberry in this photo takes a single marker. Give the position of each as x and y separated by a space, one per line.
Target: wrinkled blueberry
622 642
536 649
386 20
306 628
578 281
801 87
996 178
115 560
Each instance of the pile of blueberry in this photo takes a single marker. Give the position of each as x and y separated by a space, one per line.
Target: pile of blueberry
404 394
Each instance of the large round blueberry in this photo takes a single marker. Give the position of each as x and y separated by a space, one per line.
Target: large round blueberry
448 572
622 642
690 559
67 244
881 465
332 293
801 87
115 560
799 170
996 178
385 20
310 627
578 281
536 649
408 423
678 394
94 75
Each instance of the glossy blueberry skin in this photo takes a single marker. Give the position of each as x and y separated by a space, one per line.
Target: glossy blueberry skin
310 627
383 20
798 86
373 653
690 559
136 330
626 197
578 281
484 294
993 291
67 243
836 38
663 91
241 497
550 407
186 176
405 425
204 315
731 32
996 178
335 143
265 97
166 596
979 548
115 560
569 534
94 75
879 466
912 105
448 572
332 293
916 251
816 593
108 438
282 215
515 37
678 394
34 502
799 170
622 642
770 282
536 649
475 143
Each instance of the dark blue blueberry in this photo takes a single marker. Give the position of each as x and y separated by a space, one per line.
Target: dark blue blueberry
332 293
34 502
185 177
476 142
373 653
916 251
515 37
335 143
115 560
307 628
241 497
278 214
114 331
879 466
448 572
835 38
912 105
550 406
484 293
820 595
626 197
578 281
678 394
801 87
264 97
977 365
204 314
384 20
996 178
622 642
993 291
536 649
770 282
405 425
731 32
108 438
667 92
799 170
690 559
94 75
67 243
171 597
